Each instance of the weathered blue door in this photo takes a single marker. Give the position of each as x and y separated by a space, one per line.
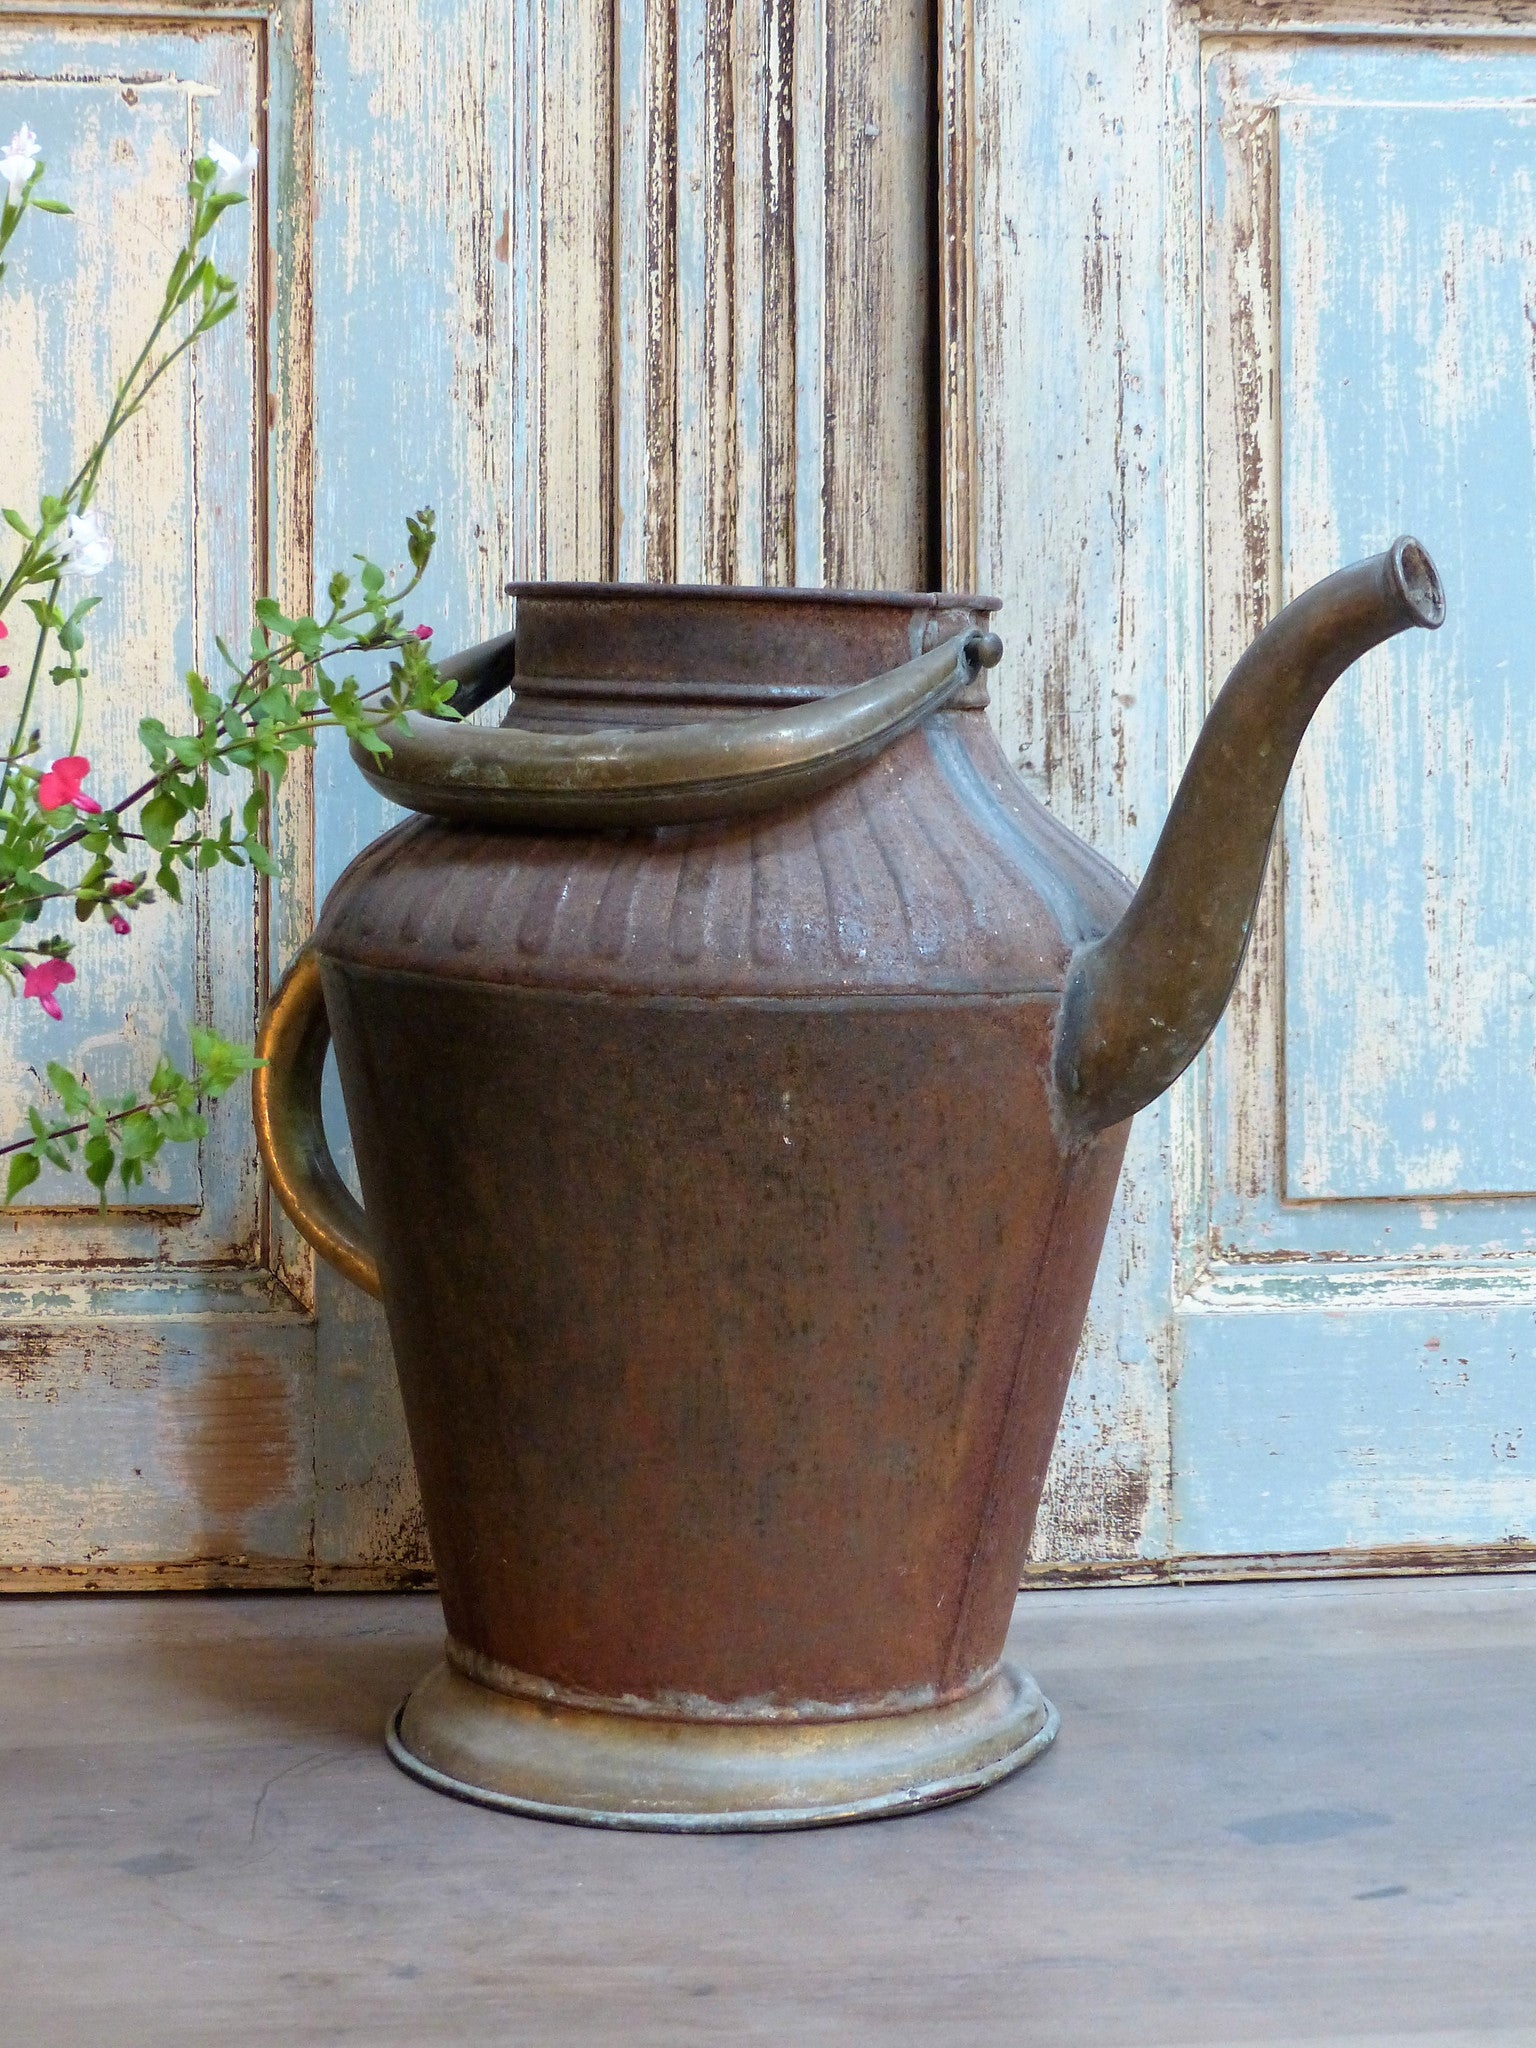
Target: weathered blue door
621 287
1257 293
1213 298
180 1401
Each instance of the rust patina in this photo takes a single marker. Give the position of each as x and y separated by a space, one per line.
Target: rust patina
738 1061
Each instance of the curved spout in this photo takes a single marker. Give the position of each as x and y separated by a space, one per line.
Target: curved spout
1140 1002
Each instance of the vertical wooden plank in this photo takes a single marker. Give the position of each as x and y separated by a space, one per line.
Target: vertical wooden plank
412 241
957 298
631 285
573 92
1240 462
810 281
644 282
879 170
524 255
287 903
705 324
776 294
1071 531
750 27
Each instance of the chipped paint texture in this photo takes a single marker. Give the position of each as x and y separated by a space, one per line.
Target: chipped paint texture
1070 532
1356 1316
156 1387
620 287
1338 226
721 291
1221 296
415 216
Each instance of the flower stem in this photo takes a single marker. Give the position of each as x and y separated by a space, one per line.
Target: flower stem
73 1130
26 703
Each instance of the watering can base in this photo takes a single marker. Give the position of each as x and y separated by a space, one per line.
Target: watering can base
617 1770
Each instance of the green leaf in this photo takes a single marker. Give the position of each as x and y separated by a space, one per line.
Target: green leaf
271 615
75 1098
183 1126
25 1168
17 524
138 1136
156 740
422 538
52 206
71 1091
372 577
99 1158
208 706
160 817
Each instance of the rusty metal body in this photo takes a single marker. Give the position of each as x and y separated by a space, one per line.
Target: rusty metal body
733 1219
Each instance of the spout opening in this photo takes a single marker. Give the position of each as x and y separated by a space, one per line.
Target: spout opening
1418 582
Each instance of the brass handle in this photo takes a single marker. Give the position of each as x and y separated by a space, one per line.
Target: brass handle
621 777
285 1094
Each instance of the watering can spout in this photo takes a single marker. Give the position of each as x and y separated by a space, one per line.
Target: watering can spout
1140 1002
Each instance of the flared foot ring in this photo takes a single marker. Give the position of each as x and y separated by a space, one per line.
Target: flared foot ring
630 1771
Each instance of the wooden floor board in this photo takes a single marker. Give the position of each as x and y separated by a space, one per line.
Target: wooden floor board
1297 1813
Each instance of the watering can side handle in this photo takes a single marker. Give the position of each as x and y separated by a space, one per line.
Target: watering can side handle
290 1132
481 673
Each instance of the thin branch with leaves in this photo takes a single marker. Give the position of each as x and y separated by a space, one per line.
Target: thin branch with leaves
275 701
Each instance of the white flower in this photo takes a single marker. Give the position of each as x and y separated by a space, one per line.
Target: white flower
234 171
85 549
20 160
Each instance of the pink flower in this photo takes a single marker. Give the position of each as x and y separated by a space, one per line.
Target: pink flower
61 785
5 634
43 979
121 888
120 924
423 632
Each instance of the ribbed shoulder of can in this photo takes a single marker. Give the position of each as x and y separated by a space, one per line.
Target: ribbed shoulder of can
931 871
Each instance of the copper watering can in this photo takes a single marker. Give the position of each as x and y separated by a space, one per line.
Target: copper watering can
739 1063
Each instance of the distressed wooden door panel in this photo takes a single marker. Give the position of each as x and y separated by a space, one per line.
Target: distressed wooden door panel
1357 1355
723 291
620 287
413 364
686 338
1066 216
671 291
1254 294
156 1383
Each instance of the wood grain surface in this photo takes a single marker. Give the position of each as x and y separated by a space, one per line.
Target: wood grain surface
1285 1816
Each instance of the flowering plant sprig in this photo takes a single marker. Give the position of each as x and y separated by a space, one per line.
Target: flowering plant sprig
21 172
272 702
124 1131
